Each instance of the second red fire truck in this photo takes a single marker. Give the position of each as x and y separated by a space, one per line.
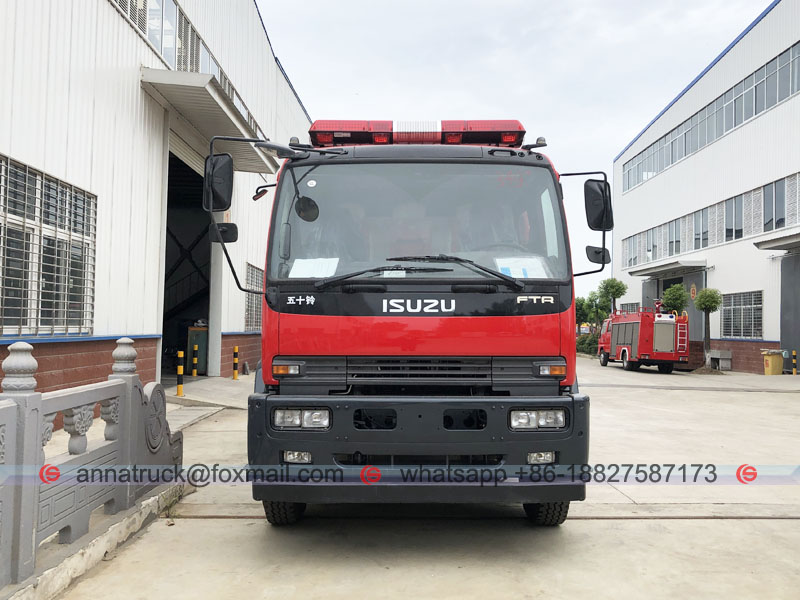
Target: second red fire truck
647 337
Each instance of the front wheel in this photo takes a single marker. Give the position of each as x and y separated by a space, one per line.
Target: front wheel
548 514
603 359
666 369
283 513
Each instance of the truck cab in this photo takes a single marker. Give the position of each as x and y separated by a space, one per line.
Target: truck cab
418 318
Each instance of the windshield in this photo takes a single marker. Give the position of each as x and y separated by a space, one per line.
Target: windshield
338 219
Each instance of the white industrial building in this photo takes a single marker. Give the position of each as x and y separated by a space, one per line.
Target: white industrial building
707 194
106 111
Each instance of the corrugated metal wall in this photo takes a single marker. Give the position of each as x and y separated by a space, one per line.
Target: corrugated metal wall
71 105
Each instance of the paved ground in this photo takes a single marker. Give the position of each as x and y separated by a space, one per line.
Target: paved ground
732 541
213 391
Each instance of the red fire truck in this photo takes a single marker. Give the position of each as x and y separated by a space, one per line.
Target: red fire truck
418 319
649 337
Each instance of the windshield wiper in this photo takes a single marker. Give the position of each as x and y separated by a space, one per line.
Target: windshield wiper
323 283
516 283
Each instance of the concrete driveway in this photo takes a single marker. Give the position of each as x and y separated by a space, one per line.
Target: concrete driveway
722 540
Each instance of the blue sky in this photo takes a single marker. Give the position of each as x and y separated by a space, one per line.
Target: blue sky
587 75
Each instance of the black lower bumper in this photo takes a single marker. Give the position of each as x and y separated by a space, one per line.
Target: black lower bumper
419 460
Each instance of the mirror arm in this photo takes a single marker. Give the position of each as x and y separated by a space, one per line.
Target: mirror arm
228 138
230 262
214 223
603 266
605 182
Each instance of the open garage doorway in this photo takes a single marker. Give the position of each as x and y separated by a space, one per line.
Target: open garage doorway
187 271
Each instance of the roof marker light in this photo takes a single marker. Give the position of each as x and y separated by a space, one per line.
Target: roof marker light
475 132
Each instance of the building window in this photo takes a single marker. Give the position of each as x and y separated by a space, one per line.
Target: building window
633 251
155 18
701 229
774 205
630 307
170 32
674 237
762 89
138 12
734 221
651 244
47 249
252 312
741 315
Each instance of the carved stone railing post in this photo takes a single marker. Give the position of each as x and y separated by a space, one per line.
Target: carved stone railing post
122 415
77 422
19 386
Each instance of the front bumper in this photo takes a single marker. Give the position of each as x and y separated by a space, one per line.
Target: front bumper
418 438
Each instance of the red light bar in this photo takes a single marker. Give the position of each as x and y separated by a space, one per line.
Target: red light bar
482 133
487 133
348 133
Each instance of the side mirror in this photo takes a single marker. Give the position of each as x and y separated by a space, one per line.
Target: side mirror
218 183
229 232
598 256
597 194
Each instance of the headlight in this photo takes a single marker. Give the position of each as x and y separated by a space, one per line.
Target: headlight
523 419
537 419
317 418
283 417
301 418
550 418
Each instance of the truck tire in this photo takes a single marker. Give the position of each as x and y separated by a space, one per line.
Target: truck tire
628 365
666 368
603 358
283 513
548 514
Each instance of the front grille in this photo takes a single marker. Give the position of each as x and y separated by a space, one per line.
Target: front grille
423 370
413 460
429 375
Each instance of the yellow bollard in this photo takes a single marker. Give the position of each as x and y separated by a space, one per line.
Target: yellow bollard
194 361
180 373
236 362
794 362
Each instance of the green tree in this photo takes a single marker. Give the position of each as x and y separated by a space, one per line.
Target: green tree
610 289
596 308
675 298
707 300
581 314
